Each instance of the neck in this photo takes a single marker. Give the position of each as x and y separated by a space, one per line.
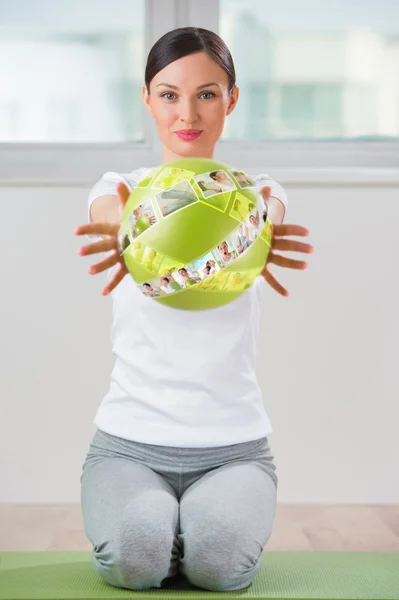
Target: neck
169 155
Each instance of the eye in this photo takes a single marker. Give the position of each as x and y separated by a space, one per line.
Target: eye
209 94
168 94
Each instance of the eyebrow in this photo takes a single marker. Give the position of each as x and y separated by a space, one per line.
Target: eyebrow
200 87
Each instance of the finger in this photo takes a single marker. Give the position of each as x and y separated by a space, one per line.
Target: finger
281 230
283 261
100 228
292 246
123 193
272 281
101 246
104 264
117 278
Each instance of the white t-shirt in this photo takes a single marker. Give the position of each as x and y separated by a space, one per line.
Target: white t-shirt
183 378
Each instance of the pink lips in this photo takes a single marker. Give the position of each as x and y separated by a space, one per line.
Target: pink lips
188 134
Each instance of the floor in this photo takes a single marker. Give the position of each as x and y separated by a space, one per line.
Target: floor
296 527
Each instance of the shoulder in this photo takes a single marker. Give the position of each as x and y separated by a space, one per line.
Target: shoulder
109 181
131 179
263 180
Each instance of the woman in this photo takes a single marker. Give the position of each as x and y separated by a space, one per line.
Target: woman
226 255
179 477
188 281
243 239
224 183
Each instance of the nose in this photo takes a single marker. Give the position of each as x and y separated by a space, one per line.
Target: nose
188 111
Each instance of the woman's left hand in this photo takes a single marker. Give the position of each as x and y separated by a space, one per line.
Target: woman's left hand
279 242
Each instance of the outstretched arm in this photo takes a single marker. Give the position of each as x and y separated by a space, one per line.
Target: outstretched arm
276 212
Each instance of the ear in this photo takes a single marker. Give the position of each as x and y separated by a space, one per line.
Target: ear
233 99
146 98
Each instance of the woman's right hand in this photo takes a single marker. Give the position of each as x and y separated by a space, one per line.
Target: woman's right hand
110 244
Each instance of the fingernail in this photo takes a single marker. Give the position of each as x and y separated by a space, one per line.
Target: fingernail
80 251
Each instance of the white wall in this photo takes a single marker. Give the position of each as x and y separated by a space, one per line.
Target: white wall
327 358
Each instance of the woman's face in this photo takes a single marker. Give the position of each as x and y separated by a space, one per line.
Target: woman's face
220 177
224 249
191 93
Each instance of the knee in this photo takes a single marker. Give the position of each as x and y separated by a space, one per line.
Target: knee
216 558
135 560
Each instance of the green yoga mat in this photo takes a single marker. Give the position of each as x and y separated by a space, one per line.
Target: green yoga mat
283 575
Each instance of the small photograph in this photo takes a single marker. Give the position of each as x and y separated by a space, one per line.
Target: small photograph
214 283
209 284
149 290
137 250
241 238
141 218
186 276
215 182
123 238
267 232
241 281
222 278
169 265
151 259
243 179
170 176
176 197
242 207
206 265
225 252
167 284
255 223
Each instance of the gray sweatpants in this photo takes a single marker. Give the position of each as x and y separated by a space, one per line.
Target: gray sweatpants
155 512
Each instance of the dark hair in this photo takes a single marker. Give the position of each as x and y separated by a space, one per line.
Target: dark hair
184 41
213 174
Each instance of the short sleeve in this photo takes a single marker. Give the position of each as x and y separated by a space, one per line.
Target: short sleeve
107 185
278 191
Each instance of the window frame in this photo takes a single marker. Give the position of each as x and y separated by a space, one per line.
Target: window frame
290 162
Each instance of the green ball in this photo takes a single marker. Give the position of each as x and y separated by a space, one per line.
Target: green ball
197 232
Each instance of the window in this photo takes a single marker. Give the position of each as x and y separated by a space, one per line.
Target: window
308 111
314 70
318 87
71 72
